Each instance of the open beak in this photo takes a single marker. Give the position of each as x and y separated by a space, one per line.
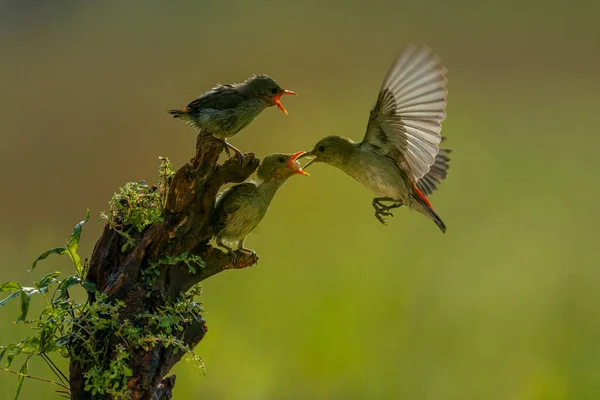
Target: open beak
307 154
294 165
277 100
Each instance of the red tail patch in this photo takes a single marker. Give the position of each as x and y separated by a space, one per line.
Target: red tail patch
422 196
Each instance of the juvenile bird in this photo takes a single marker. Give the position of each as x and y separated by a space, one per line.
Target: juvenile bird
239 210
399 158
227 109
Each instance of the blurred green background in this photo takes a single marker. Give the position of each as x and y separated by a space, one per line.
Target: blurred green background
504 306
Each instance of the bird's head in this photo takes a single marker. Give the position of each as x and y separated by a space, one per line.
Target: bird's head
280 166
331 150
265 87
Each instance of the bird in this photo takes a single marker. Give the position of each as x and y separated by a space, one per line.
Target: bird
241 208
226 109
399 158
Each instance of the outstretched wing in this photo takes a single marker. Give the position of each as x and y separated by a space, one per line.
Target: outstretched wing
228 202
406 121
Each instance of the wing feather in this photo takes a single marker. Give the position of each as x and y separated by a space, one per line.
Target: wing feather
221 97
437 173
228 202
406 121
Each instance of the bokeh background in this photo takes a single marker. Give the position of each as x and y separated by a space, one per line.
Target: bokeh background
504 306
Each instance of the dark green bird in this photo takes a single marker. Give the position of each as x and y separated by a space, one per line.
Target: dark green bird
227 109
240 209
399 159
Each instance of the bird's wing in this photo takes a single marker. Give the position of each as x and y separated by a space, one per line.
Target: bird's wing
437 173
229 201
406 121
222 97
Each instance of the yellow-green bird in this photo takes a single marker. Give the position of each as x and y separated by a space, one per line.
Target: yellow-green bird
399 159
240 209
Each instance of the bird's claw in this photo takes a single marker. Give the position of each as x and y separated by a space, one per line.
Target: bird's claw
234 256
227 147
240 157
382 210
251 253
380 214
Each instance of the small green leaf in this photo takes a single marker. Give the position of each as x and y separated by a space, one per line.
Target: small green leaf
74 239
25 300
63 285
11 351
9 298
22 371
89 286
30 345
47 280
57 250
63 340
10 287
74 244
191 269
68 282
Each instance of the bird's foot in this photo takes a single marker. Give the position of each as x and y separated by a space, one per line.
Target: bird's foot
383 210
250 252
234 256
238 154
226 147
380 214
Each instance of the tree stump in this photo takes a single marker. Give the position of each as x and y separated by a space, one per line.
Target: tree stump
186 228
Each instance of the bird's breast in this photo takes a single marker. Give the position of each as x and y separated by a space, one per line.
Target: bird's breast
243 221
380 175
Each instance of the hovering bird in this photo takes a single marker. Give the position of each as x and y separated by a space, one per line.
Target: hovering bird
399 158
239 210
227 109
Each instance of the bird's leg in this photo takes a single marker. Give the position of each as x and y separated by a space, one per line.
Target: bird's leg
230 251
383 210
225 147
247 251
228 146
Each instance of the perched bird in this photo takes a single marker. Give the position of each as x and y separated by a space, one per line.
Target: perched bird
227 109
239 210
399 158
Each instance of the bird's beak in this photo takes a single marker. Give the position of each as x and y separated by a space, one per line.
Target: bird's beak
308 154
294 165
277 100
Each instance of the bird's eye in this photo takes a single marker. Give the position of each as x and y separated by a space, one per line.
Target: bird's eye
281 159
274 91
322 148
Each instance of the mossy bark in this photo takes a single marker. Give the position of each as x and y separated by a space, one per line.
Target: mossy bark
185 227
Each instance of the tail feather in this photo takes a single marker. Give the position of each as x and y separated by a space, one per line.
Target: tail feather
181 113
437 172
427 209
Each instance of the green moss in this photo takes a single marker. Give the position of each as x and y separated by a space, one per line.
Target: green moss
136 205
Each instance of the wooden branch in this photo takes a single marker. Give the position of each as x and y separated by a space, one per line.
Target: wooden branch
185 227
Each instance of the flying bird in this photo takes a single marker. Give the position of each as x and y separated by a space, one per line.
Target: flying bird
399 158
227 109
240 209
